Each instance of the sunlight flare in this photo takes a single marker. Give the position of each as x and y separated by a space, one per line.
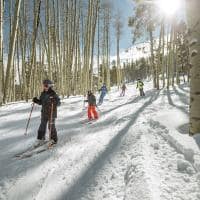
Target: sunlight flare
169 7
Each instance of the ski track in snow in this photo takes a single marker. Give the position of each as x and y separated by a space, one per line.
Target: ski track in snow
122 156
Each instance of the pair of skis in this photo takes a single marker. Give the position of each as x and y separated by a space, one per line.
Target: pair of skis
34 150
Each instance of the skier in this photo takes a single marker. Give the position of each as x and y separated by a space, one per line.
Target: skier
103 91
92 113
49 101
140 86
123 90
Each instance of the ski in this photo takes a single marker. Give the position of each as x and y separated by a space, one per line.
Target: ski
88 122
31 153
29 149
24 151
36 151
85 121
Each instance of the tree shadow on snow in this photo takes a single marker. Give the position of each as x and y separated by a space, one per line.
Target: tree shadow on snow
135 100
182 96
183 129
181 108
11 168
16 127
197 139
22 109
77 190
184 87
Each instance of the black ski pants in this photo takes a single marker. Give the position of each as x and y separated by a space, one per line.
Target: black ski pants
42 129
142 92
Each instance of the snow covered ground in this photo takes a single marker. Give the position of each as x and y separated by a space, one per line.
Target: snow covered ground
138 150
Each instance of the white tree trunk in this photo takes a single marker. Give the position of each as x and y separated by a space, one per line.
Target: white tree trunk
11 48
1 51
194 27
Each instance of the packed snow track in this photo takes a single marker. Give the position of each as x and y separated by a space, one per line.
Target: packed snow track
137 150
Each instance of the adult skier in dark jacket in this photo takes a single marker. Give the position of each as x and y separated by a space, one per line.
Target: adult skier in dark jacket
92 113
49 101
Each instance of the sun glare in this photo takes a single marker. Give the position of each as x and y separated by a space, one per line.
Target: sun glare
169 7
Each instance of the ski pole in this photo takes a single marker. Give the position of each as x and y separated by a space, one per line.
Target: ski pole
51 118
28 122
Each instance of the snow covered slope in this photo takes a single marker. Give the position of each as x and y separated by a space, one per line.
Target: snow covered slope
138 150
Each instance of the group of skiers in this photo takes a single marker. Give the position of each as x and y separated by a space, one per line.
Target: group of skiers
140 86
49 101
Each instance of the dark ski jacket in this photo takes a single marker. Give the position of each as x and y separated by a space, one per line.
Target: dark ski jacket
123 87
46 100
91 100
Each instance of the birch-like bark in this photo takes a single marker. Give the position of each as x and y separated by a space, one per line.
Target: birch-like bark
1 51
194 26
11 49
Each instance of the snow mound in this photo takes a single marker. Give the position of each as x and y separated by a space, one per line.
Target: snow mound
197 162
189 154
197 139
185 166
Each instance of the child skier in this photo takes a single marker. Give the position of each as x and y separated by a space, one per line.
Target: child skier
92 113
49 101
140 86
123 90
103 91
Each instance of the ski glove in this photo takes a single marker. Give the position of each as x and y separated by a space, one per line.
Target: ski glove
36 100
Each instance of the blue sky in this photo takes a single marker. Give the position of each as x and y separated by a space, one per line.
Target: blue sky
126 9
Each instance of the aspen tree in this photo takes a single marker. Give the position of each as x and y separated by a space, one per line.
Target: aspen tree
11 49
1 51
118 29
194 42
